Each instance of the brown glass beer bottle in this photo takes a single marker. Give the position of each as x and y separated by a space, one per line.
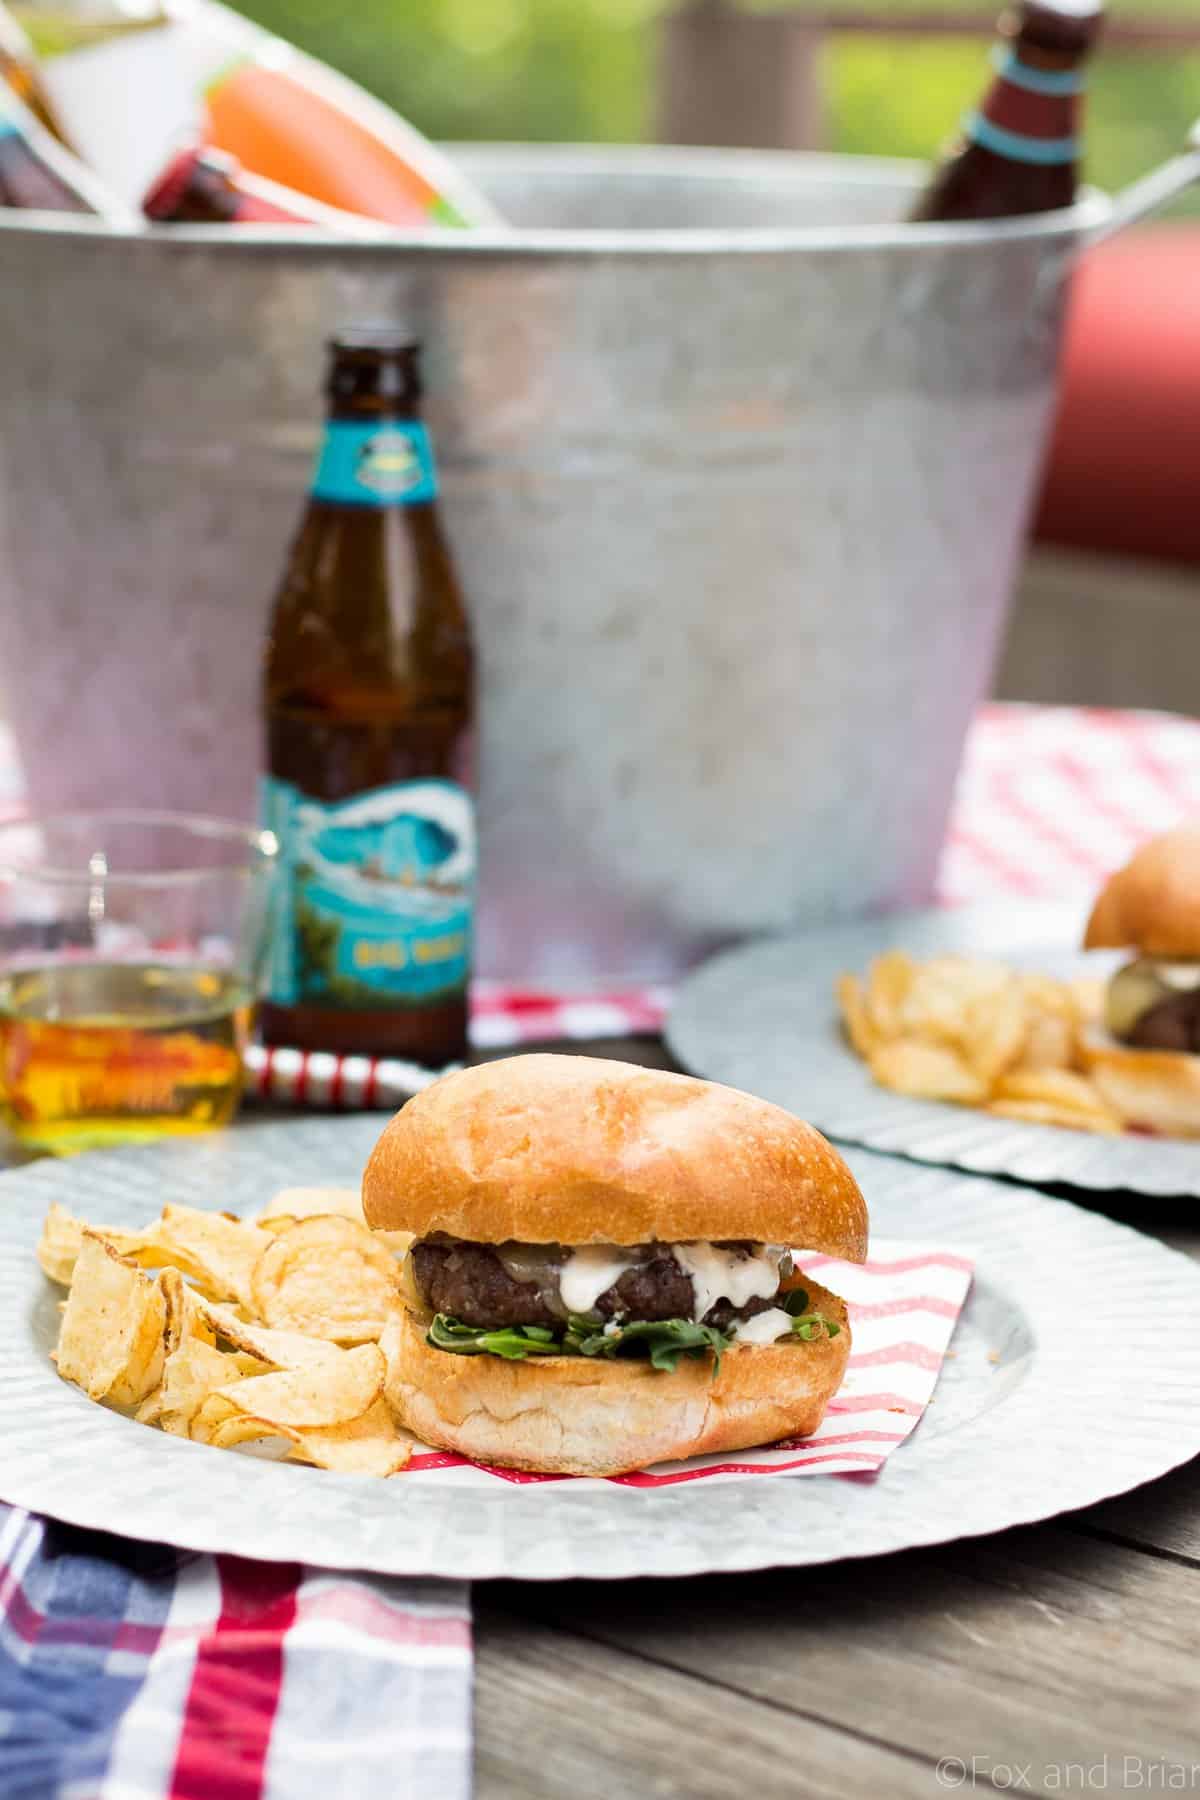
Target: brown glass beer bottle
369 698
202 186
1019 152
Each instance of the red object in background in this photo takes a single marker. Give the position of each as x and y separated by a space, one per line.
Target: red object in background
1123 472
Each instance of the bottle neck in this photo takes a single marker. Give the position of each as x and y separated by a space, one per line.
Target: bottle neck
375 460
1031 113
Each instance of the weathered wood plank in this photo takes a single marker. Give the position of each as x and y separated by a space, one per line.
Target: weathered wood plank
556 1715
1040 1646
1163 1517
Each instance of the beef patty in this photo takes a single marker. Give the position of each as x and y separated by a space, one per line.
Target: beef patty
1171 1024
470 1282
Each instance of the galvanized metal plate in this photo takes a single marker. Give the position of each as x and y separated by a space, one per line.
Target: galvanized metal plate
1021 1426
764 1017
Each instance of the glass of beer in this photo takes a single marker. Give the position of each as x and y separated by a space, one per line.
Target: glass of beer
132 948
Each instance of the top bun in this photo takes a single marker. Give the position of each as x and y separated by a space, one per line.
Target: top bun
577 1150
1153 903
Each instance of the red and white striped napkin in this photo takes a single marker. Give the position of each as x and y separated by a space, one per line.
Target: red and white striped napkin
903 1305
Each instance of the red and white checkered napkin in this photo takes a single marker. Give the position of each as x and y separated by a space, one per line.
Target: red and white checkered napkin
1050 798
903 1307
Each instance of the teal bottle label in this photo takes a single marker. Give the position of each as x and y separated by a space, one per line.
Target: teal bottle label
375 895
375 462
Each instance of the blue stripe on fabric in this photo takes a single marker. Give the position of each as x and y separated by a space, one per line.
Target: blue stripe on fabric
1043 151
1053 82
64 1685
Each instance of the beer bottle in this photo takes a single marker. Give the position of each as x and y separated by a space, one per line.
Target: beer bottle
18 67
1019 152
369 699
202 186
36 172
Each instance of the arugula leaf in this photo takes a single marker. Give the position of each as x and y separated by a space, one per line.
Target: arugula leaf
664 1341
810 1324
513 1342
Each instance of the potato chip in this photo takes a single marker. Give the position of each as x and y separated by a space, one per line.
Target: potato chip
855 1015
62 1240
940 993
332 1393
290 1205
371 1445
926 1071
1057 1087
328 1278
994 1032
1049 1042
191 1373
280 1349
111 1340
1045 1112
217 1251
888 983
313 1202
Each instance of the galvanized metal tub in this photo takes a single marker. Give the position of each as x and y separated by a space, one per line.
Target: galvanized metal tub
736 470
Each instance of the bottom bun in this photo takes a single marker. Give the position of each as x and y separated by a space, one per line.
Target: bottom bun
1159 1089
577 1415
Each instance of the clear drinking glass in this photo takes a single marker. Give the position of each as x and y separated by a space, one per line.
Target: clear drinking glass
132 948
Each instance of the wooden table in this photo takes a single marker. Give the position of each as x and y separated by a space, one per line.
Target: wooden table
1064 1658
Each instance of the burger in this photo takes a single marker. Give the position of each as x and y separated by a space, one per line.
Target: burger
1146 1062
601 1270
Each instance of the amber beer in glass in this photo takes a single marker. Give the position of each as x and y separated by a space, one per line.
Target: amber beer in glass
131 957
369 699
1019 152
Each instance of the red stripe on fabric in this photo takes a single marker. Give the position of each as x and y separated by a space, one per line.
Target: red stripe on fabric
301 1088
801 1462
918 1356
265 1073
892 1309
874 1403
1090 790
1014 875
32 1626
857 1437
1066 847
369 1084
360 1610
1133 734
235 1684
335 1083
901 1265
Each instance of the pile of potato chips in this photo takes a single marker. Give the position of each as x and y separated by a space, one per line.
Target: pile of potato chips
959 1028
235 1332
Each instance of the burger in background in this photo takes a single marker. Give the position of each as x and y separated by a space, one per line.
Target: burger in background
1146 1062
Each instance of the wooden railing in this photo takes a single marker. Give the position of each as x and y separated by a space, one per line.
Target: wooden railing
732 77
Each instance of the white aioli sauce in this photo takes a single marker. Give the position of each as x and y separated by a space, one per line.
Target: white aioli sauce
716 1274
588 1272
727 1275
764 1327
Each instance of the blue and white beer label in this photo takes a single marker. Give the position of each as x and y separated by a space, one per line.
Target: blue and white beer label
375 462
375 895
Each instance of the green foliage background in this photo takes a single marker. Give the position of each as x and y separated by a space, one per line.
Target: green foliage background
583 70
